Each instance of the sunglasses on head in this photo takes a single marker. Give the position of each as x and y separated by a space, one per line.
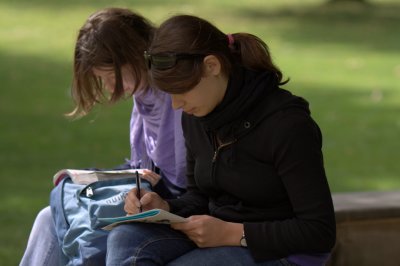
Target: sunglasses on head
164 61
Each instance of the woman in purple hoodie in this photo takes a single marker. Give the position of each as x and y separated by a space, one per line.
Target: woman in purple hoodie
109 66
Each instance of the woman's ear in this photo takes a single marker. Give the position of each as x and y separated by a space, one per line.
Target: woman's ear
212 65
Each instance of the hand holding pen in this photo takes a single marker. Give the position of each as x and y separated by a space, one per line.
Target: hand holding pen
139 200
133 202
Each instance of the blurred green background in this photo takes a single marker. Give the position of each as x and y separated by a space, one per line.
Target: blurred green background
344 58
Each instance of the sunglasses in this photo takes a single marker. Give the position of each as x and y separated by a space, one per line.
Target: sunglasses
166 60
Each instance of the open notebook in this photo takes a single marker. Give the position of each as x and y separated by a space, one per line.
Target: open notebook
150 216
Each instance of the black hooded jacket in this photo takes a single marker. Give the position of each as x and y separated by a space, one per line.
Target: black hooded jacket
256 159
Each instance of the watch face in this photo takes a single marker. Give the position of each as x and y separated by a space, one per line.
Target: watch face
243 242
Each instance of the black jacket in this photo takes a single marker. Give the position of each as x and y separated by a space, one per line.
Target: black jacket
256 159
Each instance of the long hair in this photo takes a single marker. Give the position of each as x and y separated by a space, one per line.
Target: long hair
109 39
194 35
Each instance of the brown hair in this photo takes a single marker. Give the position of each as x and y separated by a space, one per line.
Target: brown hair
194 35
109 39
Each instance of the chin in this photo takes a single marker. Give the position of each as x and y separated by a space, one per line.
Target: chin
200 114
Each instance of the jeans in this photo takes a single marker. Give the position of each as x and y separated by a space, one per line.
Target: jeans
154 244
42 248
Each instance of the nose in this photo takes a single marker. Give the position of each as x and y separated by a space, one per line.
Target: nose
177 103
109 85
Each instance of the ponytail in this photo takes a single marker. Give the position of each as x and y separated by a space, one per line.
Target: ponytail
253 53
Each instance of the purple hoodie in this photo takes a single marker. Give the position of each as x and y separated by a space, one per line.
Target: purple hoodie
156 136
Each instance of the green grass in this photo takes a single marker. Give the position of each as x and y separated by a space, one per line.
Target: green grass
345 59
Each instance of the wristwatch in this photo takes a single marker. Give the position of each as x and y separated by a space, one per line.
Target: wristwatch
243 241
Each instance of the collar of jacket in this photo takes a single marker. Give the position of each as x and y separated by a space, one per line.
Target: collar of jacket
246 90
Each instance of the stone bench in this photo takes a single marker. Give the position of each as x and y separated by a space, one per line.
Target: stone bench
368 229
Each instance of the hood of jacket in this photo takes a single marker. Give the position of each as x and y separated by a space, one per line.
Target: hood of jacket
250 97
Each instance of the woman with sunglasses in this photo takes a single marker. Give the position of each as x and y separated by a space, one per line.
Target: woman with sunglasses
257 191
109 66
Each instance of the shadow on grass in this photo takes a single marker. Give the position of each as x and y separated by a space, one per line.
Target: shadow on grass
37 140
34 97
368 26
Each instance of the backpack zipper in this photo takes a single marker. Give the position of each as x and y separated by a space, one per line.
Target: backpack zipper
89 192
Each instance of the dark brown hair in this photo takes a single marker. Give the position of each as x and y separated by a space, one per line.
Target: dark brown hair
194 35
109 39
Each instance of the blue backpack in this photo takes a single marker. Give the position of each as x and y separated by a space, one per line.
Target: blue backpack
76 209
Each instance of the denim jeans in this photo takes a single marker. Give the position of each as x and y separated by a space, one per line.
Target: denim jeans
153 244
42 248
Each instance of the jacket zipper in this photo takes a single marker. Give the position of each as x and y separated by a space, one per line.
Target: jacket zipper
218 147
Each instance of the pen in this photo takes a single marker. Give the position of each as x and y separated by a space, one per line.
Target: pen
138 189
